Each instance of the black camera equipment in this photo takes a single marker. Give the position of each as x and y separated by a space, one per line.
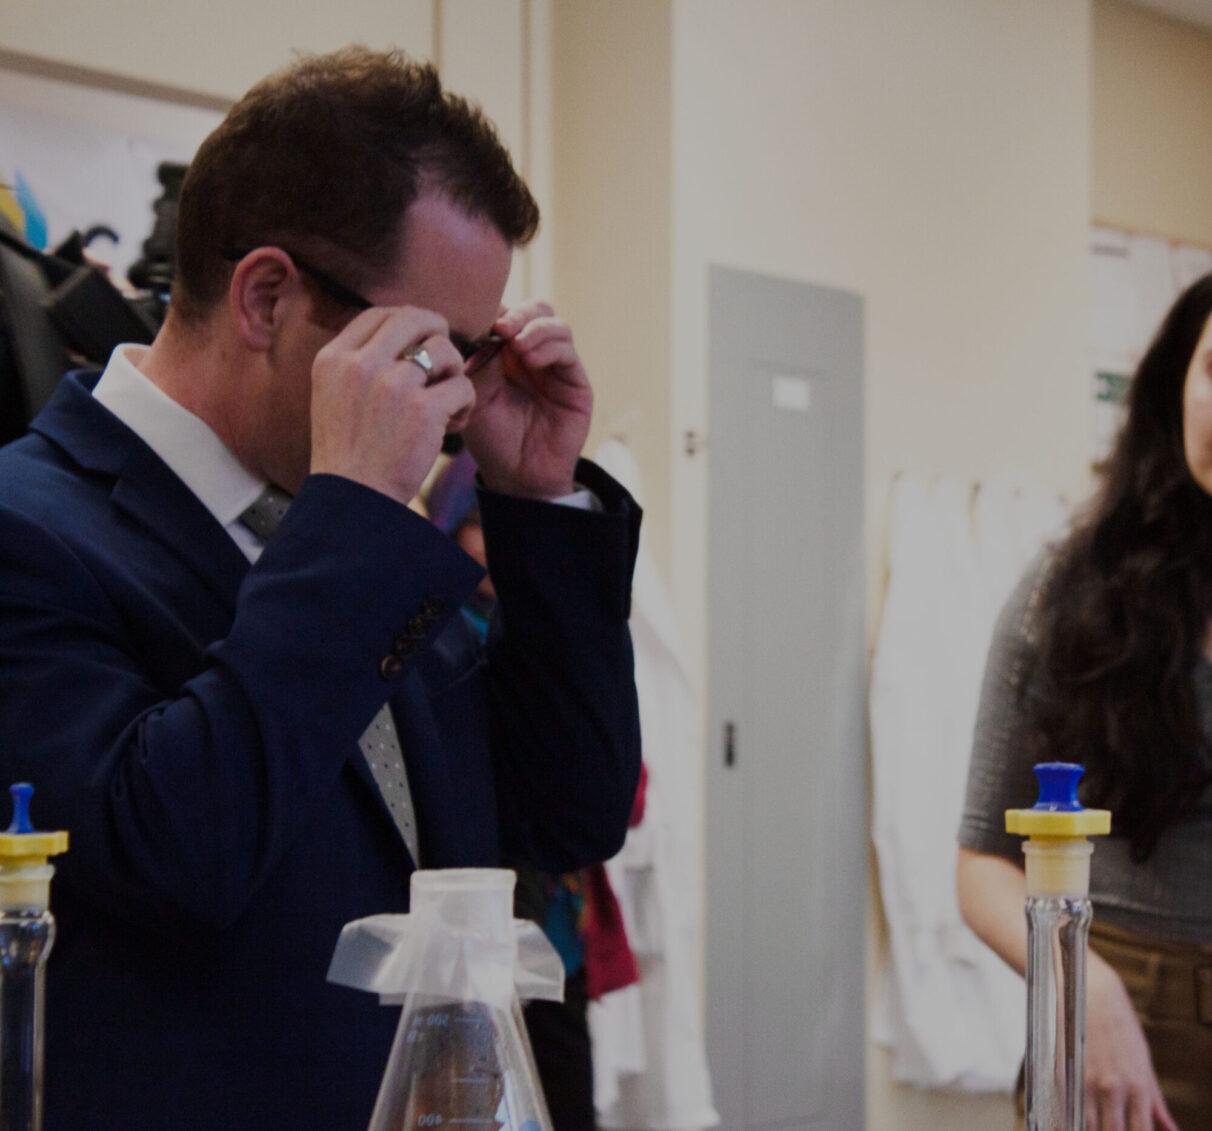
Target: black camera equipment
59 312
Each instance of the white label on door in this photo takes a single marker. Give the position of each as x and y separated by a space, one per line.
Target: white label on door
792 394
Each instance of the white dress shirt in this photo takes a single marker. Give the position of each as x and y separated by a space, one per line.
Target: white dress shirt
183 441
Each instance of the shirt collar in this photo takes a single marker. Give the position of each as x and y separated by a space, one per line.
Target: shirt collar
182 440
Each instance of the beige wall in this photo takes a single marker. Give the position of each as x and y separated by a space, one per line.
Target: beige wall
932 157
216 49
1151 165
611 182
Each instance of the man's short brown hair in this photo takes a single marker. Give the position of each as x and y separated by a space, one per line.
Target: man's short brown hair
324 157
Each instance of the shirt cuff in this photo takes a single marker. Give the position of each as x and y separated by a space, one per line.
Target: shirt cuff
582 499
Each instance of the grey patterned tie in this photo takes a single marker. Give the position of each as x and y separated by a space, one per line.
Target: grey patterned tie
380 744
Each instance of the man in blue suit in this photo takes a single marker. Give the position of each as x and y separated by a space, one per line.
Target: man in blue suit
198 693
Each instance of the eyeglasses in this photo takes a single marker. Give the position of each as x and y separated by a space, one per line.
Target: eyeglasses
482 349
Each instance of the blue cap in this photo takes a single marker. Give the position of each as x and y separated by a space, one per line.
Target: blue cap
1058 815
1058 787
21 839
21 793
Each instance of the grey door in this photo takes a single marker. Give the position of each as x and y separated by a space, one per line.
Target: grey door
786 776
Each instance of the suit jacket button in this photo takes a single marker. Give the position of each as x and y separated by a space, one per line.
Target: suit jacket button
404 646
418 626
433 606
390 666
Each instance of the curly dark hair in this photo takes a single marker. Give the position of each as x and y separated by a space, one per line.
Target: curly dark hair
324 157
1127 604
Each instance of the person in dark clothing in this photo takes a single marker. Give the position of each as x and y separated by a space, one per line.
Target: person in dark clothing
233 661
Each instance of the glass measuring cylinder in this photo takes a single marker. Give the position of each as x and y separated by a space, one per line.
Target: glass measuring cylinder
27 931
1057 929
1057 858
26 936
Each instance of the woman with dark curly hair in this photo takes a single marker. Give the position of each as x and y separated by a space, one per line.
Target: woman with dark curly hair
1103 656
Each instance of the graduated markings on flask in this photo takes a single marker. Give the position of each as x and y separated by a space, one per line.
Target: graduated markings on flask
436 1120
431 1021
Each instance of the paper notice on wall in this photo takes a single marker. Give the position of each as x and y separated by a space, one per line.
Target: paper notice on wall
1191 263
1115 333
1153 277
1114 316
1133 281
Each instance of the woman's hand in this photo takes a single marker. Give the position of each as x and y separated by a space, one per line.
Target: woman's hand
1122 1092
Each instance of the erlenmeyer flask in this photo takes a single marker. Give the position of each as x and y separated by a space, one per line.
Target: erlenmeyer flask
461 1063
461 1056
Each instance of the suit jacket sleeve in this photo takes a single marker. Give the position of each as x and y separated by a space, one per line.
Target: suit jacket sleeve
186 749
562 682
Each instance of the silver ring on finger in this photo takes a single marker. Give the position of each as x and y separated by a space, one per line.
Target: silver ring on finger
420 356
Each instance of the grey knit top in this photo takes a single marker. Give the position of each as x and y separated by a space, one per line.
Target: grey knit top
1170 894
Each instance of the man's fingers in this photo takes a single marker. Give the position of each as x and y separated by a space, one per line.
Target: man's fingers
510 323
381 334
439 362
541 330
452 401
360 330
547 355
386 354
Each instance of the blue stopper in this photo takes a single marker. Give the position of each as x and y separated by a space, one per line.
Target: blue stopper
21 793
1058 787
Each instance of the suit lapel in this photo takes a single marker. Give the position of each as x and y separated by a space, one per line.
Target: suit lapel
147 492
153 496
144 488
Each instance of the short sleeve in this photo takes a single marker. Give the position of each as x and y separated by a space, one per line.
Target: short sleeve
1000 774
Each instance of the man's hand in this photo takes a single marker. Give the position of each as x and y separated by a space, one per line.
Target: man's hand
376 416
533 405
1122 1092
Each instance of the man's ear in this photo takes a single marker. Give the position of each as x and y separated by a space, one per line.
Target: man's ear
264 283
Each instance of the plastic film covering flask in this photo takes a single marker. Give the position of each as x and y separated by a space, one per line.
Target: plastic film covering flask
27 931
1058 924
458 962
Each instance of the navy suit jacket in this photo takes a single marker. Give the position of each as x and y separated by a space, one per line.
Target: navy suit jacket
193 721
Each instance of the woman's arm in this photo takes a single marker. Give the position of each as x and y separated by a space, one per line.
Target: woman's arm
992 892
